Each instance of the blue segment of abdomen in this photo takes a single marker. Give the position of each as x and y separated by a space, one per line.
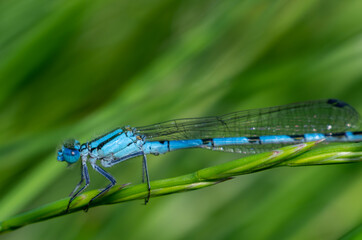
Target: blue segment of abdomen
309 137
276 139
160 147
353 137
167 146
229 141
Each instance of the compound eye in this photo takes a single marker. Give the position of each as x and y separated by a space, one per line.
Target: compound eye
71 155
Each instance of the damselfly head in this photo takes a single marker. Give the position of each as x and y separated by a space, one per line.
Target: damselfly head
70 151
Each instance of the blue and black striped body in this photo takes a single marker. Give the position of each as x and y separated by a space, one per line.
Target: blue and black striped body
120 143
249 143
247 132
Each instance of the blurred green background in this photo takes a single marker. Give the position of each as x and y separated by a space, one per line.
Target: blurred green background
80 68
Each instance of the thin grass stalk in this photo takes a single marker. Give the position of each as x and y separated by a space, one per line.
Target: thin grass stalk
293 156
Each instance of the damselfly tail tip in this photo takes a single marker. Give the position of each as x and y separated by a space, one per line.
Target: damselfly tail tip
337 103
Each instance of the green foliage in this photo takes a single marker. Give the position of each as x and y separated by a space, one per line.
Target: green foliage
80 68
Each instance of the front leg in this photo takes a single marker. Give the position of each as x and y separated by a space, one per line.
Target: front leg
80 182
84 176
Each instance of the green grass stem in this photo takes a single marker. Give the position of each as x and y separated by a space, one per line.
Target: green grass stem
296 155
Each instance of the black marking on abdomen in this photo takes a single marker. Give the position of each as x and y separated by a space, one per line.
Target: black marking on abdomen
206 141
298 137
168 144
254 140
337 103
340 134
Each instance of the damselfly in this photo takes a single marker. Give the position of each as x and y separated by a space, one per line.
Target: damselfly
250 131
